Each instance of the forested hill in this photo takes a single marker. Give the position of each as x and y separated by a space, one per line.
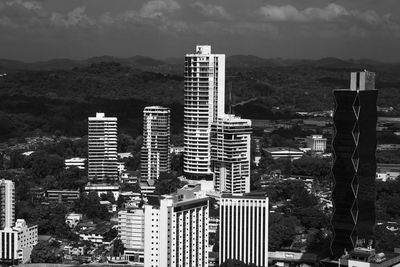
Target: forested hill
50 99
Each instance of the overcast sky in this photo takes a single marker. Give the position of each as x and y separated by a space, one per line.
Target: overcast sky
42 29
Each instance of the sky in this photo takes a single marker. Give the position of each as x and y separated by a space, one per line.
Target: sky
34 30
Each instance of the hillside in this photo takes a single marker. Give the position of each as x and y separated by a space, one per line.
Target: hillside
64 93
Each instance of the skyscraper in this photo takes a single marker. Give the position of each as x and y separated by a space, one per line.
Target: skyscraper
230 154
102 148
204 103
243 229
156 142
176 231
7 203
354 167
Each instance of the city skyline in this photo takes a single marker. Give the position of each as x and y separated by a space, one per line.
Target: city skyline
40 30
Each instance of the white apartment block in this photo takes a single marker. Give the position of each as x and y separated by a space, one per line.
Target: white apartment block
243 229
316 143
230 154
75 162
131 231
155 157
204 102
17 243
102 148
7 203
176 231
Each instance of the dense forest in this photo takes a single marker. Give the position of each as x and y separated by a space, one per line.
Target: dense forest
55 100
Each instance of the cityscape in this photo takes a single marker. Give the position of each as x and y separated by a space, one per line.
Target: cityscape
209 159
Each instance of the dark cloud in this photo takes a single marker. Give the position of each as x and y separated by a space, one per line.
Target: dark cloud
285 28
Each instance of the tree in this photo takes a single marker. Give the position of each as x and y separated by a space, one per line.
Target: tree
118 248
45 252
282 230
120 201
167 184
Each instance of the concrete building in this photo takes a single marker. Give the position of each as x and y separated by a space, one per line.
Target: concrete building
316 143
63 196
354 167
103 189
17 242
243 229
230 154
75 162
72 219
204 102
131 232
176 231
7 203
102 148
155 157
284 153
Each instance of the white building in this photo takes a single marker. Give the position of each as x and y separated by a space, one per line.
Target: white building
7 203
316 143
17 242
103 189
204 102
243 229
284 153
75 162
155 157
102 148
131 232
72 219
230 154
176 231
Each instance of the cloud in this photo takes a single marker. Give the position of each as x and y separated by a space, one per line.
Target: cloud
332 12
213 11
76 17
30 5
157 8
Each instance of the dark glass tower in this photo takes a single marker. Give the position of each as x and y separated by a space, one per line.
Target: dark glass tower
354 167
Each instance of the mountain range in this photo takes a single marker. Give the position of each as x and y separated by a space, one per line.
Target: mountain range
176 64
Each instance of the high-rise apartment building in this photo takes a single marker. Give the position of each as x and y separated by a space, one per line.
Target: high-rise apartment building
230 154
176 231
102 148
243 229
354 167
7 203
155 157
131 231
316 143
204 102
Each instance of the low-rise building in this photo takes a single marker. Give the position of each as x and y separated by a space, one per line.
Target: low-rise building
147 187
103 189
316 143
63 196
72 219
284 152
75 162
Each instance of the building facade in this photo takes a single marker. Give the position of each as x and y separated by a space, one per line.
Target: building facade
102 148
354 167
17 243
131 231
230 154
155 157
204 102
317 143
243 229
176 231
7 203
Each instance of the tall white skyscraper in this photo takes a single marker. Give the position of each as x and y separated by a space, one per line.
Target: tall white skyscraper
156 142
176 231
102 148
243 229
7 203
230 154
204 103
